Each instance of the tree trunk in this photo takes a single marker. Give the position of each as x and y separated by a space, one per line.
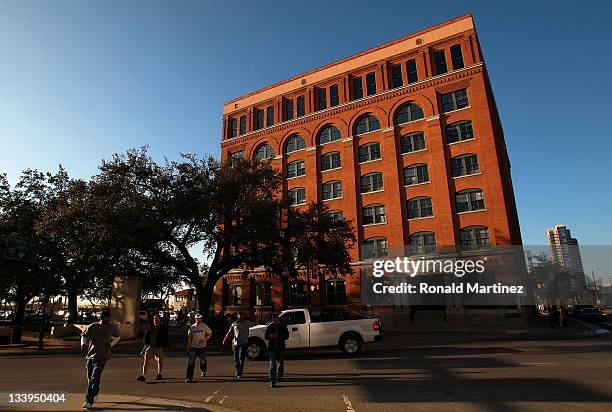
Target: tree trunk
205 293
20 307
73 306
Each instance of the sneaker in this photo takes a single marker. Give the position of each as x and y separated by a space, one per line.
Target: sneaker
238 376
87 405
272 384
159 377
202 375
188 380
141 378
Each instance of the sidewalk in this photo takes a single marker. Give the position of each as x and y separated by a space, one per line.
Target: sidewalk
119 403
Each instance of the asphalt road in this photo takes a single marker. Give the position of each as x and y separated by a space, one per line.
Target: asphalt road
564 371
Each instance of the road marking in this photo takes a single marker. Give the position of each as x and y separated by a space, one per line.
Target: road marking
223 400
538 363
211 396
349 405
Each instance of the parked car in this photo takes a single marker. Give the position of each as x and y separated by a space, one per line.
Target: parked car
348 334
591 315
579 308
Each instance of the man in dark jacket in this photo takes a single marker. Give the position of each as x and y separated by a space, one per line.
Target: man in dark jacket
155 340
276 335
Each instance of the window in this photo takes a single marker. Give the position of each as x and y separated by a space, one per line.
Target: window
357 88
440 61
301 109
408 113
456 57
242 125
371 83
295 142
419 207
296 196
265 151
330 160
334 99
375 247
233 128
329 134
396 76
373 214
297 294
411 69
332 190
469 200
367 123
335 292
296 168
454 100
458 131
371 182
412 142
475 237
288 109
260 119
236 156
234 295
263 294
293 318
322 99
464 165
336 215
416 174
270 116
422 243
369 151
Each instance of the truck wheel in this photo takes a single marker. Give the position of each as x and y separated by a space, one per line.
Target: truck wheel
255 350
350 344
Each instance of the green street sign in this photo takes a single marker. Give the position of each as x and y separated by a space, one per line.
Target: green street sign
22 249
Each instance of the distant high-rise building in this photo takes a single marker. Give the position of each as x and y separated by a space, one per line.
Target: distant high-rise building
565 252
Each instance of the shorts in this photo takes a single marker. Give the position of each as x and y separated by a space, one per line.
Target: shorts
158 353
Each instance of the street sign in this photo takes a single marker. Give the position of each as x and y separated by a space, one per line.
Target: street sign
22 249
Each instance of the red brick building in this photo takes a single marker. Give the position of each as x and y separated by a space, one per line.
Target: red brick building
404 139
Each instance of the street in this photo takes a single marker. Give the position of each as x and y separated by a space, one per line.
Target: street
552 371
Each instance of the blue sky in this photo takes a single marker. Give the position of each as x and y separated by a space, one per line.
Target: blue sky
80 80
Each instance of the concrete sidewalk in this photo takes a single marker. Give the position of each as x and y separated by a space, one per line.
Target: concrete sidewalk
111 402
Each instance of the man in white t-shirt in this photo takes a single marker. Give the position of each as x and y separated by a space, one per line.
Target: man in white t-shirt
197 336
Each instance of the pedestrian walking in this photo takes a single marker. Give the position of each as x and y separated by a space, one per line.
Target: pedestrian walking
239 332
155 340
276 335
197 337
97 341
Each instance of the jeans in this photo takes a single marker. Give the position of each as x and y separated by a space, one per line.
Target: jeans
94 372
277 364
239 357
201 353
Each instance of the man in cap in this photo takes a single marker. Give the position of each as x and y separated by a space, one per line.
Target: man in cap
197 336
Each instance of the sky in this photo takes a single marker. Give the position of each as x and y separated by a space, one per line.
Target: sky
81 80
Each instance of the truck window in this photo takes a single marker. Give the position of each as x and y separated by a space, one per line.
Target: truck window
293 318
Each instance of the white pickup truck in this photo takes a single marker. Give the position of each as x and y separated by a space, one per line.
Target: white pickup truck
306 332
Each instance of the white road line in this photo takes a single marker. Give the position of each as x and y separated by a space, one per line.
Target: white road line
538 363
349 405
223 400
210 397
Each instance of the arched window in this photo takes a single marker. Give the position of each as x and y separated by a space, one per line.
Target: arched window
297 168
408 112
375 247
464 165
330 161
369 151
329 134
458 131
371 182
295 142
296 196
367 123
475 237
415 174
374 213
412 142
332 190
335 292
422 243
336 215
419 207
469 200
265 151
